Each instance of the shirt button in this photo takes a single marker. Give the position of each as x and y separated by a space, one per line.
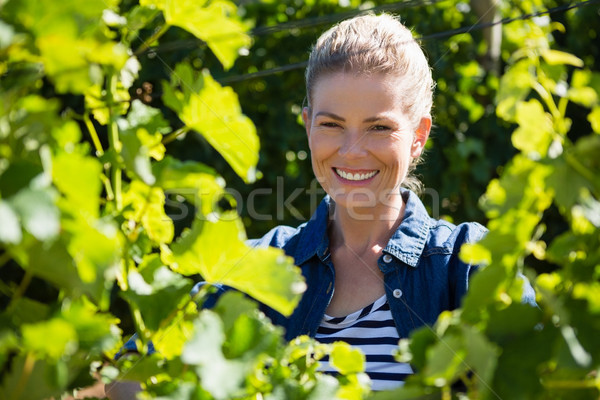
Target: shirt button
387 259
397 293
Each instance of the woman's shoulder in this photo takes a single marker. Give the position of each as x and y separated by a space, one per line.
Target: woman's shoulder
280 236
446 234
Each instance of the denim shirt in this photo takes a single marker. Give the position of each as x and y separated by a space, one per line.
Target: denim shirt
423 274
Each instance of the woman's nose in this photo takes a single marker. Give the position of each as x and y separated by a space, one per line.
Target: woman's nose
353 144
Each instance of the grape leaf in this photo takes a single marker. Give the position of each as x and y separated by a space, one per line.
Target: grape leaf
216 250
10 229
346 359
78 177
214 111
214 22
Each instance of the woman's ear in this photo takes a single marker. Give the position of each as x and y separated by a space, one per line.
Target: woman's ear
421 136
306 119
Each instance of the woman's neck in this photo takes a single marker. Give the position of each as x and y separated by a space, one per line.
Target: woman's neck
365 230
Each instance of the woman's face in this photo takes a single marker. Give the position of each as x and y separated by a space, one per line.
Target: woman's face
361 138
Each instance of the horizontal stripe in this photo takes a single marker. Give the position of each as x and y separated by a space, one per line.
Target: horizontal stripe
354 341
373 331
364 332
373 367
388 376
385 385
365 323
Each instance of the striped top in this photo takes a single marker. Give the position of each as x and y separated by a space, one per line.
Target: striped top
373 331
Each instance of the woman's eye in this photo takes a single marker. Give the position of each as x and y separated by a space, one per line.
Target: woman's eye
380 128
329 124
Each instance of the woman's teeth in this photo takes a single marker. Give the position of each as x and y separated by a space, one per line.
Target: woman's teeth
355 177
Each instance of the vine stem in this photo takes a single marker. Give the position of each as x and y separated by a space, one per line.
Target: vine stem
581 169
155 36
94 134
22 287
4 258
115 143
27 368
556 112
582 384
174 135
109 192
446 393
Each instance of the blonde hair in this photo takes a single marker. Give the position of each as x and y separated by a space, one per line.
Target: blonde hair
371 44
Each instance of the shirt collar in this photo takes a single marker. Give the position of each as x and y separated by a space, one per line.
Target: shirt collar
314 239
406 244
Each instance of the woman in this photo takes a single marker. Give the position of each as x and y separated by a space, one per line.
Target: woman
376 265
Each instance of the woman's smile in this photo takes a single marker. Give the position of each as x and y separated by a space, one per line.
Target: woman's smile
356 176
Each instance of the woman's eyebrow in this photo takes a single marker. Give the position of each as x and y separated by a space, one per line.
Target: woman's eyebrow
330 115
377 118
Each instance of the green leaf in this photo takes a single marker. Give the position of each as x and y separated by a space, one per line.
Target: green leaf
520 172
475 254
146 205
37 211
566 183
171 338
7 33
137 18
8 343
137 156
95 101
67 135
40 371
17 176
594 118
196 182
78 177
214 111
64 338
10 229
414 351
231 306
214 22
481 356
27 311
513 378
556 57
97 332
514 87
578 352
143 116
156 296
248 332
216 250
51 262
219 376
70 38
535 132
580 92
445 361
96 248
408 393
347 359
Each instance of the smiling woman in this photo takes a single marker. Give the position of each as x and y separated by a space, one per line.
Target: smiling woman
377 266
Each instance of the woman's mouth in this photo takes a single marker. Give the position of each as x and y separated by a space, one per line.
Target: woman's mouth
357 176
